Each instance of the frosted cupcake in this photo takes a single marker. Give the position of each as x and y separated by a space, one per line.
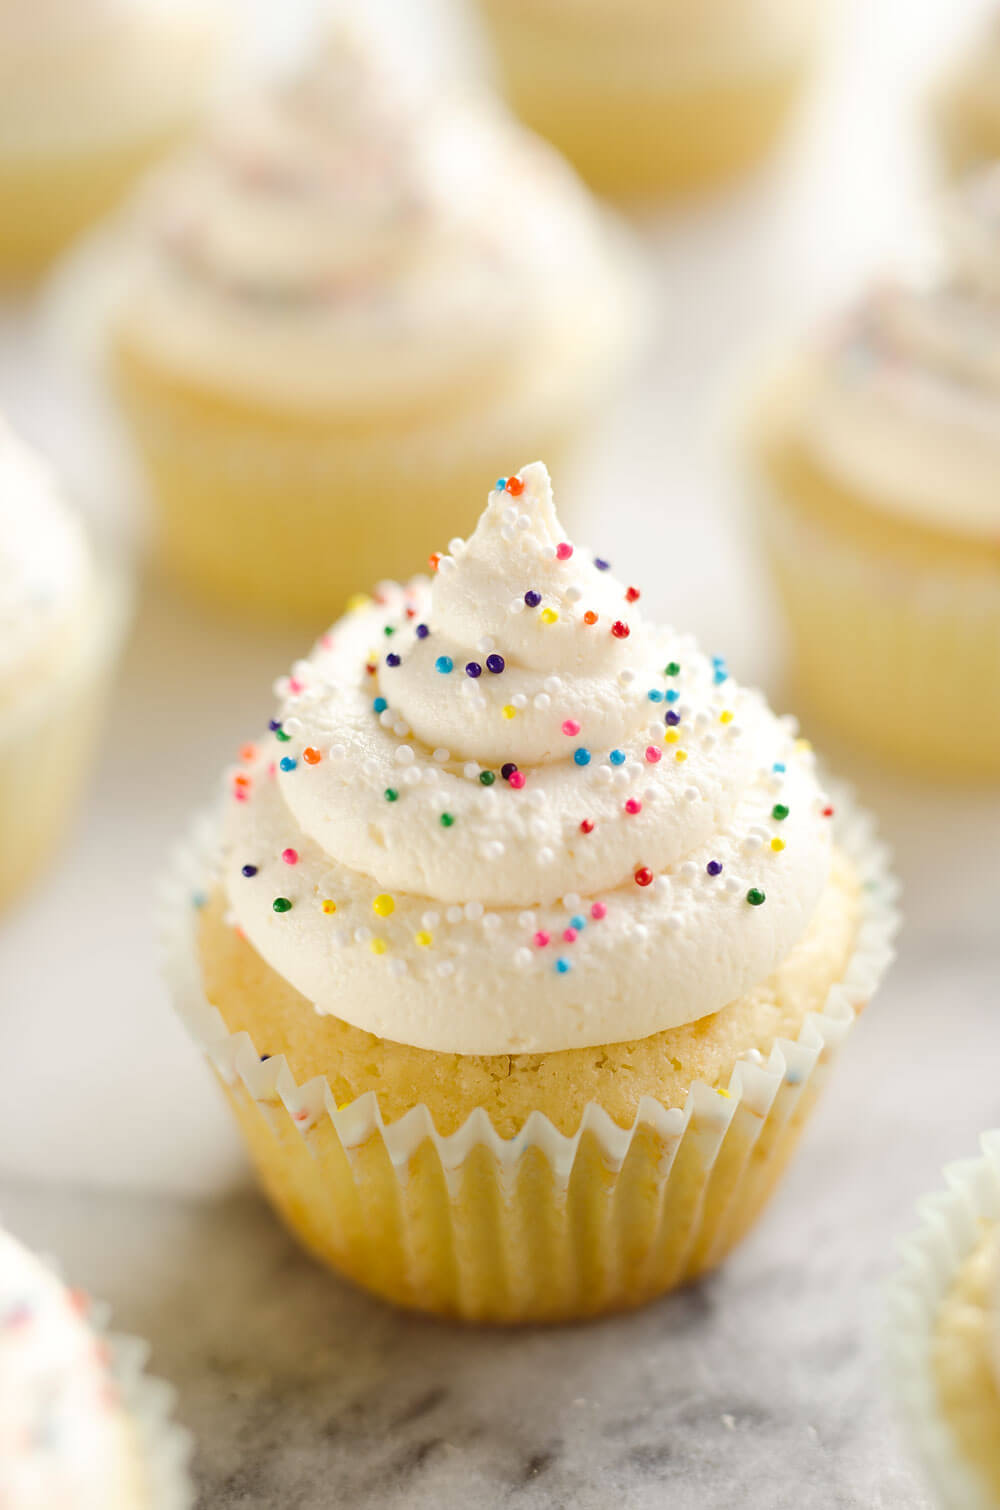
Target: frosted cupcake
878 455
62 616
652 98
945 1334
350 298
91 92
968 107
80 1426
526 942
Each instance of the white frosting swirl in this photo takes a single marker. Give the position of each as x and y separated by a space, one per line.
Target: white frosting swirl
905 406
64 1441
503 826
46 573
354 240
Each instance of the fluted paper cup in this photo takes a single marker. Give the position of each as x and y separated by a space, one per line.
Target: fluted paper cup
945 1382
539 1226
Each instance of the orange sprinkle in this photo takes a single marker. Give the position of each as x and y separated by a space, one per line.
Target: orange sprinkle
311 756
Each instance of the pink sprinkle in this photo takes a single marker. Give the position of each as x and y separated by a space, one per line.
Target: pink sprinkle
633 805
570 727
564 551
272 769
541 938
294 685
326 640
598 911
290 856
569 934
653 754
302 1116
517 780
241 794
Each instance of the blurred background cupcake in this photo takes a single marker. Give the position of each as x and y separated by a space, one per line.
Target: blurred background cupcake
877 456
345 303
944 1334
91 92
62 617
968 105
81 1428
654 97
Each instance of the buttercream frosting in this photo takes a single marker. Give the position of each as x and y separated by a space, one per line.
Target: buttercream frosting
64 1440
85 71
46 571
904 404
498 811
356 240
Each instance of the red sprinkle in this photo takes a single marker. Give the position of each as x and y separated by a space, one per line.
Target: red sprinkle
620 630
587 826
643 876
828 812
631 595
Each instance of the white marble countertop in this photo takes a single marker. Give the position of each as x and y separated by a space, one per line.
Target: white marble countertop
115 1153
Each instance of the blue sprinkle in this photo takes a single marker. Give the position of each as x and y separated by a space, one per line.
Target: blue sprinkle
720 676
380 705
287 763
672 695
444 664
578 923
422 631
779 767
617 757
718 660
655 695
501 484
198 899
581 756
563 966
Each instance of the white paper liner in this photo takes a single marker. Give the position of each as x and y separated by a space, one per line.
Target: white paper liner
791 1064
932 1257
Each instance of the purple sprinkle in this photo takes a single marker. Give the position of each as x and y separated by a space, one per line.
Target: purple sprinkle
473 668
714 867
601 564
274 724
495 663
392 659
249 870
422 631
507 771
673 718
532 598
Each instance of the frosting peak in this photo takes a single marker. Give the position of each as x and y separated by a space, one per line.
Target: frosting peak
500 813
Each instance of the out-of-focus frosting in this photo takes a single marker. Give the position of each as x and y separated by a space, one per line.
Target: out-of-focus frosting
499 812
354 239
88 70
64 1441
905 402
46 572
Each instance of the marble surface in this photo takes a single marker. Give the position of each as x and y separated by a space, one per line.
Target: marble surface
764 1383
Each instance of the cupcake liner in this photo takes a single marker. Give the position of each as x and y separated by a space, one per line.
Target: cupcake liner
47 737
543 1225
951 1227
865 626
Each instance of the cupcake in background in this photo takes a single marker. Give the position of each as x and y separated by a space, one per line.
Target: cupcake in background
91 93
655 97
345 302
876 455
63 612
968 105
80 1425
944 1334
527 939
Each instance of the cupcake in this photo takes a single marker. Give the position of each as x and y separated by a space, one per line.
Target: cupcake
945 1334
876 456
62 617
526 939
968 105
91 92
653 99
80 1426
350 298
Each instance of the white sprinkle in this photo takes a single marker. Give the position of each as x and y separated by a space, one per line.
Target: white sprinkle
750 844
492 921
691 794
456 546
362 935
673 922
506 533
542 701
405 755
545 856
397 966
732 885
688 871
441 755
548 552
519 700
470 770
526 919
524 521
336 752
401 728
431 774
522 958
292 726
621 775
413 776
517 606
650 794
474 911
790 724
485 645
571 901
626 676
446 564
603 775
538 828
573 594
553 684
754 1055
370 766
454 914
493 849
445 968
387 718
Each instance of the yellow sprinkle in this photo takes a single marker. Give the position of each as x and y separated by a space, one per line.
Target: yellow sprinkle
329 906
384 905
726 716
803 745
720 1092
548 616
359 601
424 939
378 946
777 845
680 754
671 737
509 711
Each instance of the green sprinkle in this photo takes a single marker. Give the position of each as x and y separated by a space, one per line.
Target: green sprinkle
281 904
447 819
390 794
280 734
672 668
487 778
389 629
779 811
755 896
